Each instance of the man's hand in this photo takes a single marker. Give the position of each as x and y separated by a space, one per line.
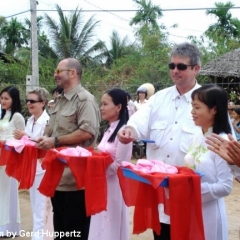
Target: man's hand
45 143
228 150
127 135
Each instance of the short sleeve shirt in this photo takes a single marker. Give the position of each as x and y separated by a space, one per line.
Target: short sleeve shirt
75 110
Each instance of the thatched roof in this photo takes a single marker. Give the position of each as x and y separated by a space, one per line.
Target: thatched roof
228 65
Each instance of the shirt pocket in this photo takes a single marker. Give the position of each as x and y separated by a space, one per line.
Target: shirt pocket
156 133
68 119
188 132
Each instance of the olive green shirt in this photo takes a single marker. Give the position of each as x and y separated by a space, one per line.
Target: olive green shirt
74 110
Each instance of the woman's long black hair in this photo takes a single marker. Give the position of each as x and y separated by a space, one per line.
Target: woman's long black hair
16 102
215 96
119 97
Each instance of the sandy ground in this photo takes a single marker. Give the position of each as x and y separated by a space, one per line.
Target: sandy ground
232 203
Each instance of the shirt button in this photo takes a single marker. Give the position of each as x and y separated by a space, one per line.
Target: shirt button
170 138
168 156
175 122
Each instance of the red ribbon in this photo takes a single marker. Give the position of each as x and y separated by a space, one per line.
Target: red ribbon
183 205
21 166
89 172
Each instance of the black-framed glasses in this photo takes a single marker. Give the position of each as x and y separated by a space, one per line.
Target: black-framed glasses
59 70
180 66
32 101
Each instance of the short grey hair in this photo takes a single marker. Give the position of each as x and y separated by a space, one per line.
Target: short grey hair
187 50
42 94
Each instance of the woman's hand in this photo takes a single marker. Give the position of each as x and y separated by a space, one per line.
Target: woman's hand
229 150
18 134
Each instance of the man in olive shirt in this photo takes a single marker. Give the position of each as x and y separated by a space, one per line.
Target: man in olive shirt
74 122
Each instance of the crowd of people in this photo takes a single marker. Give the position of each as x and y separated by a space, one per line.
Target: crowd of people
189 124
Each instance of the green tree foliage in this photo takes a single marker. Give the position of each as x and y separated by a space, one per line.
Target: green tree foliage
14 35
147 15
146 20
45 51
118 49
71 38
13 72
225 33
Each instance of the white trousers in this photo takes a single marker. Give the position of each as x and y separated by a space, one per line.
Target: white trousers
9 205
37 203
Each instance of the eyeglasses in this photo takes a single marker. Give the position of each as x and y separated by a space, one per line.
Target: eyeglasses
180 66
58 70
32 101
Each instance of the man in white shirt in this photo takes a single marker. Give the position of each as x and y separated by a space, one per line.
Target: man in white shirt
166 118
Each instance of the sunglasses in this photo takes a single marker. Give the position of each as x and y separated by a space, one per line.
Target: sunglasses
58 70
32 101
180 66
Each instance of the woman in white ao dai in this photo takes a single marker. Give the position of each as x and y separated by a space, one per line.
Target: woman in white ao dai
210 112
113 223
11 119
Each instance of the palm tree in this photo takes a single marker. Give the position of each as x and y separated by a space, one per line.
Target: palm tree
14 35
71 38
39 24
44 48
118 49
3 21
147 15
226 27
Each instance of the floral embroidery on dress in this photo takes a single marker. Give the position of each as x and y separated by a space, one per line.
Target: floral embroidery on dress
195 152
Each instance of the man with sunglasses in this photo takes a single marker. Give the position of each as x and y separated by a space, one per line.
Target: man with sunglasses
74 121
166 118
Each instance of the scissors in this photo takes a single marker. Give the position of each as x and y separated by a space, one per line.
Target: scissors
146 140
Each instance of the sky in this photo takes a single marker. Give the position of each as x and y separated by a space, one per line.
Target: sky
190 22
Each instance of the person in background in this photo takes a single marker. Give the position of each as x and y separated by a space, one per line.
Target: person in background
230 112
113 223
130 105
11 119
141 98
56 92
51 105
74 122
166 118
236 122
209 111
36 101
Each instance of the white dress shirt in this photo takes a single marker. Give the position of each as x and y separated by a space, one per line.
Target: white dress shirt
36 130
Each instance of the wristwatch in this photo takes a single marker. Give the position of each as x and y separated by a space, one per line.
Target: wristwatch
56 144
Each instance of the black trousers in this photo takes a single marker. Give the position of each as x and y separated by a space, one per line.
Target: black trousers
165 232
69 215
